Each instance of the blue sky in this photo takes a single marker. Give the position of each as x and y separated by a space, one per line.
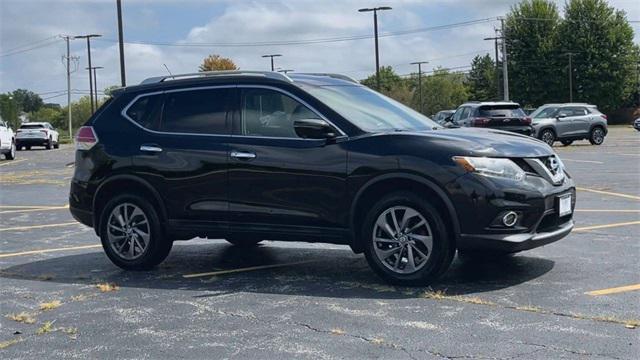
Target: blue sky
24 22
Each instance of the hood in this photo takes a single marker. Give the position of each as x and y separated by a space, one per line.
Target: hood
486 142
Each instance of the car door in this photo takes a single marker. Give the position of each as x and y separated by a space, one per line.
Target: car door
5 135
580 120
183 152
279 182
461 116
564 120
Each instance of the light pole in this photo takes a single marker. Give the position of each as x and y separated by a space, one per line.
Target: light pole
272 56
419 63
88 37
95 81
505 71
495 44
123 79
570 55
375 32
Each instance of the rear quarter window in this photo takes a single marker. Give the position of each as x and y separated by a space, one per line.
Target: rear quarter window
146 111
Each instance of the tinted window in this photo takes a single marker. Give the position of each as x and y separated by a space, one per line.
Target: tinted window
146 111
501 111
197 111
547 112
34 126
270 113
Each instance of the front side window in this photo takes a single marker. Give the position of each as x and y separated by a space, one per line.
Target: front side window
544 113
201 111
146 111
269 113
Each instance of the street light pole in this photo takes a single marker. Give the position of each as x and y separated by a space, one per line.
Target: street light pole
419 63
570 55
272 56
505 71
375 32
68 58
88 37
495 45
123 79
95 81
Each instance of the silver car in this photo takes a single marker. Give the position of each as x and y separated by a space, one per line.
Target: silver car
569 122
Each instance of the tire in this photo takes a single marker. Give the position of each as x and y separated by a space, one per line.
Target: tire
243 241
56 145
49 144
12 152
393 266
548 136
596 136
28 147
566 142
157 245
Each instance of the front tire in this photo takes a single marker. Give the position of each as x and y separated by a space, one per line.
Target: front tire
406 240
131 234
566 142
596 137
12 152
548 136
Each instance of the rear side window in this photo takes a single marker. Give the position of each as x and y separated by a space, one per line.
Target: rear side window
197 111
501 111
146 111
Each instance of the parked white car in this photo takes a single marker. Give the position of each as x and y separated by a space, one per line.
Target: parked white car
7 141
36 134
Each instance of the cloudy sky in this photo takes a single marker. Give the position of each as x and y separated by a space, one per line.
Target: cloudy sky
180 33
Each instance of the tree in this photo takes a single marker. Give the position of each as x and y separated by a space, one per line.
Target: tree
604 65
53 115
9 110
481 80
442 91
216 62
26 100
389 80
531 31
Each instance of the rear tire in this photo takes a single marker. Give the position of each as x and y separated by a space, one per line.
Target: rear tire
124 221
548 136
56 145
28 147
12 152
409 253
566 142
596 137
243 241
49 144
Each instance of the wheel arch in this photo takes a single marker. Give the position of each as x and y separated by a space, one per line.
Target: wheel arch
387 183
548 127
600 125
119 184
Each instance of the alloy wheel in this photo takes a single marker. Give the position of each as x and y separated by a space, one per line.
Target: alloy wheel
128 231
402 240
547 136
597 136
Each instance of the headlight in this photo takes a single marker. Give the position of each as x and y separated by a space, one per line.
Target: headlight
492 167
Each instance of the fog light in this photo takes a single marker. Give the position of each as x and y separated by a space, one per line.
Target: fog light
510 219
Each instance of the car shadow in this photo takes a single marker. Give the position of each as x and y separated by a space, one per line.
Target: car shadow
301 271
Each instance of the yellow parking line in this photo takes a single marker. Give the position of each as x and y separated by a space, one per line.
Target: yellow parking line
614 290
48 250
38 226
35 209
608 210
595 227
12 162
253 268
583 161
609 193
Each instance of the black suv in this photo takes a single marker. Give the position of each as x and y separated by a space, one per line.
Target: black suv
247 156
507 116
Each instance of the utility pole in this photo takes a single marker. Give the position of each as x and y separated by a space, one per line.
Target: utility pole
375 32
505 71
570 55
272 56
88 37
419 63
123 79
95 81
68 58
495 45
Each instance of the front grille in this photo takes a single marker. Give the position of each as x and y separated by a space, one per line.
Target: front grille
548 167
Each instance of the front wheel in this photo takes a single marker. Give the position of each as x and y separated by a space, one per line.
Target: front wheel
597 136
548 136
12 152
566 142
406 240
131 234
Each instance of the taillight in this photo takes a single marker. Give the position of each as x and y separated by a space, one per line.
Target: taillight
86 138
44 131
480 122
604 117
526 120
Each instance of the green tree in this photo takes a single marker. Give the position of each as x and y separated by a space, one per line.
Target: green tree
27 101
442 90
389 80
9 110
604 64
481 80
53 115
531 32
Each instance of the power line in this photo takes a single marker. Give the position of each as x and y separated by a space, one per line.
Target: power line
31 43
29 49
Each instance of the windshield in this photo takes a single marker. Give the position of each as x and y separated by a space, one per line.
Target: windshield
501 111
546 112
371 111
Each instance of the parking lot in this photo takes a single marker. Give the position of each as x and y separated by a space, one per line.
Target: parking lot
61 297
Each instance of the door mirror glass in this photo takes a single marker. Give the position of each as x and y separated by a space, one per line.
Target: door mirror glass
314 129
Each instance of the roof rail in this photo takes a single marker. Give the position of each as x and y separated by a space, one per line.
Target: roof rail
268 74
331 75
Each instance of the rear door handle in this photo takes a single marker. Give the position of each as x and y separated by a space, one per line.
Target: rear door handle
242 155
153 148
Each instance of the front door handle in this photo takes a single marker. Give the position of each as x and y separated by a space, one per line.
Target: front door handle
242 155
150 148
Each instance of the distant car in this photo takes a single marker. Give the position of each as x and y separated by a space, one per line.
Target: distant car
569 122
7 141
36 134
636 124
507 116
441 116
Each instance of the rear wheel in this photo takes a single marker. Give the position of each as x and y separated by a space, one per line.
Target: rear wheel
566 142
548 136
131 234
56 145
12 152
406 240
28 147
596 137
49 144
244 241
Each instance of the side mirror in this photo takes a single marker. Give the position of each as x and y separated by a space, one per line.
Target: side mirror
314 129
448 118
450 124
561 116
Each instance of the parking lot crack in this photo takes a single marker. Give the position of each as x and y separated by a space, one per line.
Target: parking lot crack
561 349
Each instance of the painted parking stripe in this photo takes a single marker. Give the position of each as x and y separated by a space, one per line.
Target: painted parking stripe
607 210
19 228
252 268
31 252
614 290
605 226
12 162
583 161
609 193
35 209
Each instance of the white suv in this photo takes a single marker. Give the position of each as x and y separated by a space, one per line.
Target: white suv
7 141
38 134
